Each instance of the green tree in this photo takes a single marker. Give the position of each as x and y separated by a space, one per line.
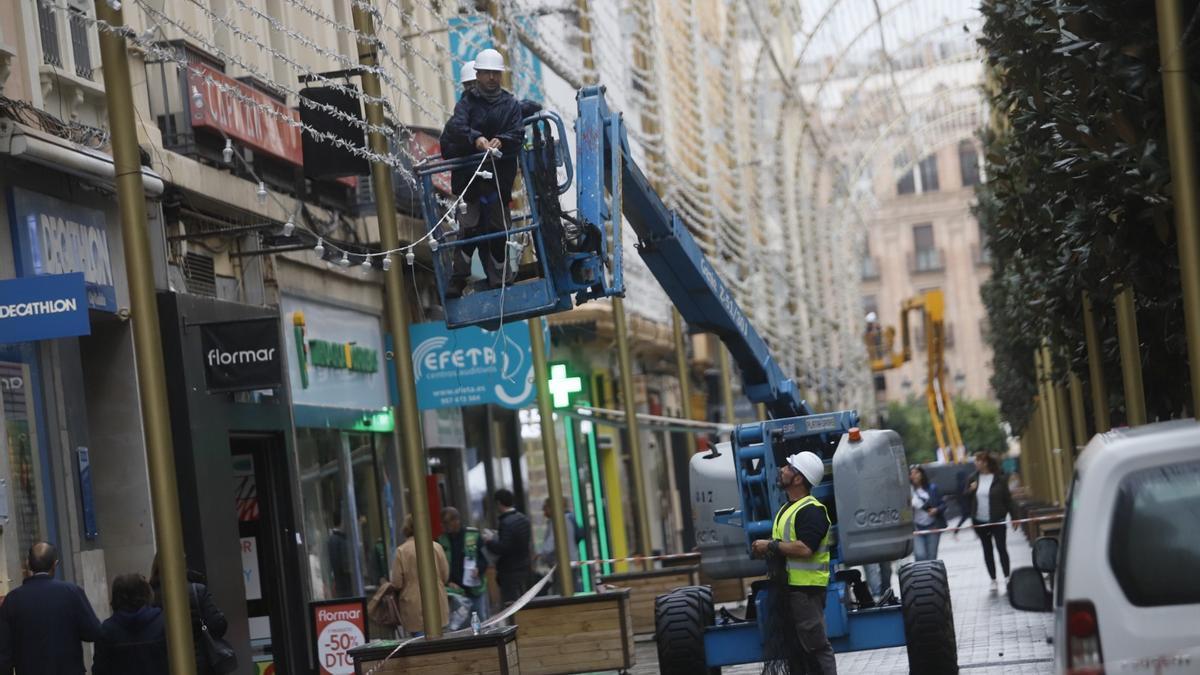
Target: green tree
978 421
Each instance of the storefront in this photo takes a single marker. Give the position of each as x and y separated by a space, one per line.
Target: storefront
345 440
72 461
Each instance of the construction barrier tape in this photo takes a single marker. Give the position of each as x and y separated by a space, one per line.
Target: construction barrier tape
1036 519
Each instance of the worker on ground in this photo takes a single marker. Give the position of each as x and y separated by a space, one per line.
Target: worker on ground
486 118
800 541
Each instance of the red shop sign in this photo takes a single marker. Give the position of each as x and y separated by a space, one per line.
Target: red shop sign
338 626
242 116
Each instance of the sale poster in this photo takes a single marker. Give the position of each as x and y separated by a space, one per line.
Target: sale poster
339 626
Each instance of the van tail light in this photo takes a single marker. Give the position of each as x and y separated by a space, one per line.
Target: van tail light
1084 656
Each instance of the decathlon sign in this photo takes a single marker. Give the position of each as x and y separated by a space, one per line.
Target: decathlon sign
57 237
472 366
241 355
42 308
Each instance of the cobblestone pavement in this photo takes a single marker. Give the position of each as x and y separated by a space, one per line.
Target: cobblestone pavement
993 638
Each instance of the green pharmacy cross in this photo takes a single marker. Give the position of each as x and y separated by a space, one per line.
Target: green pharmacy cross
562 385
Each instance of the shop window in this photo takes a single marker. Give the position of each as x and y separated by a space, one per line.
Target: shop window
24 449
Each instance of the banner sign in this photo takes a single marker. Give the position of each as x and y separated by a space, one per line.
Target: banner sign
243 115
241 355
472 366
57 237
43 308
335 355
338 627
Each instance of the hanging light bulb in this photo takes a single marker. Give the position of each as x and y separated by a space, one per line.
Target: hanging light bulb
197 98
319 249
289 227
261 192
410 257
227 153
366 264
345 261
387 262
462 207
433 244
115 5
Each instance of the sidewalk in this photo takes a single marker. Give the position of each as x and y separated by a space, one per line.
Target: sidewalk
993 638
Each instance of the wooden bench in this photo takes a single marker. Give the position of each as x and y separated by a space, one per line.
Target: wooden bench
645 586
492 652
580 634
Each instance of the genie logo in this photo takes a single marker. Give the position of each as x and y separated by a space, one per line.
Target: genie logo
471 366
881 518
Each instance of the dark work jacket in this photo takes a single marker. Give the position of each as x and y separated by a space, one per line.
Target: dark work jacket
43 624
512 546
474 117
132 643
1000 499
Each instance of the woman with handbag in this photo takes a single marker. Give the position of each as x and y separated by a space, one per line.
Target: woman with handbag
214 656
133 641
928 513
404 580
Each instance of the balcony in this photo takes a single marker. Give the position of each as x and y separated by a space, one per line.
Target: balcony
926 261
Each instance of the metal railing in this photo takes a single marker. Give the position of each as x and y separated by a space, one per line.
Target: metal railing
80 46
48 27
926 260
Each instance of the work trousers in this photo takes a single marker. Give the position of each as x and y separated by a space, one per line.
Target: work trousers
808 615
484 216
988 533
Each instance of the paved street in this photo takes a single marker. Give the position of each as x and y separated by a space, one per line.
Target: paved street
993 638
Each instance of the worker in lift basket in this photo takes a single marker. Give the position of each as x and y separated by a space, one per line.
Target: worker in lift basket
799 549
486 118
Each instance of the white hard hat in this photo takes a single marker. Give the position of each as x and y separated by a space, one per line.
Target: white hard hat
809 465
467 73
489 59
871 317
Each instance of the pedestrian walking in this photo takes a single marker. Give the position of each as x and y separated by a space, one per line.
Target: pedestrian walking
404 579
486 118
44 622
468 563
133 641
987 502
546 557
928 507
511 547
798 554
205 615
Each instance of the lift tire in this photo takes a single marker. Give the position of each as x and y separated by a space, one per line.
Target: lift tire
928 618
680 618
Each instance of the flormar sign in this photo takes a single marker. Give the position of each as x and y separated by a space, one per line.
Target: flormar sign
241 355
338 626
240 111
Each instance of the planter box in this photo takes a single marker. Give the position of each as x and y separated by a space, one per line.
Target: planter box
493 652
645 586
580 634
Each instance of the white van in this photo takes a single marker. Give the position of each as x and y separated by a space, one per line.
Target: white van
1125 583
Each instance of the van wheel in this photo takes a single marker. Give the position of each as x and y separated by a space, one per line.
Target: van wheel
928 618
680 618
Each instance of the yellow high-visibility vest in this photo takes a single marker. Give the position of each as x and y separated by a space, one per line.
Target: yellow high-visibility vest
813 570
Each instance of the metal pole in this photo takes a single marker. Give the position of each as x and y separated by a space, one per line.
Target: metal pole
562 550
726 383
1066 459
1131 358
147 344
1096 384
1049 425
1078 419
1184 186
685 384
635 445
396 298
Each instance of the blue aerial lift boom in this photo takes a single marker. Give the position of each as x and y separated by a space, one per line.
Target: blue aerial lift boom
733 490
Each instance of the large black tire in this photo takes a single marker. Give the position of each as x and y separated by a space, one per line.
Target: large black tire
680 618
928 618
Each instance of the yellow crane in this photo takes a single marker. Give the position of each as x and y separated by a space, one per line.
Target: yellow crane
880 342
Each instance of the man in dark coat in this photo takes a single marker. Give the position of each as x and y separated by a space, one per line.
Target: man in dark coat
486 118
511 546
44 622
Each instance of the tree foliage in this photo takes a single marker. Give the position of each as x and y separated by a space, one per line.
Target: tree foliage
1078 194
979 422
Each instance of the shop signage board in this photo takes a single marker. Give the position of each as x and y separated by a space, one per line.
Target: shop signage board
241 355
242 112
338 626
52 236
335 355
43 308
472 366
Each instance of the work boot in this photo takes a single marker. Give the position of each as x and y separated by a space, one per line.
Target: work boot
455 287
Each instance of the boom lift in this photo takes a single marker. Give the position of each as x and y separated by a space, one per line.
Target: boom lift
734 496
879 341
